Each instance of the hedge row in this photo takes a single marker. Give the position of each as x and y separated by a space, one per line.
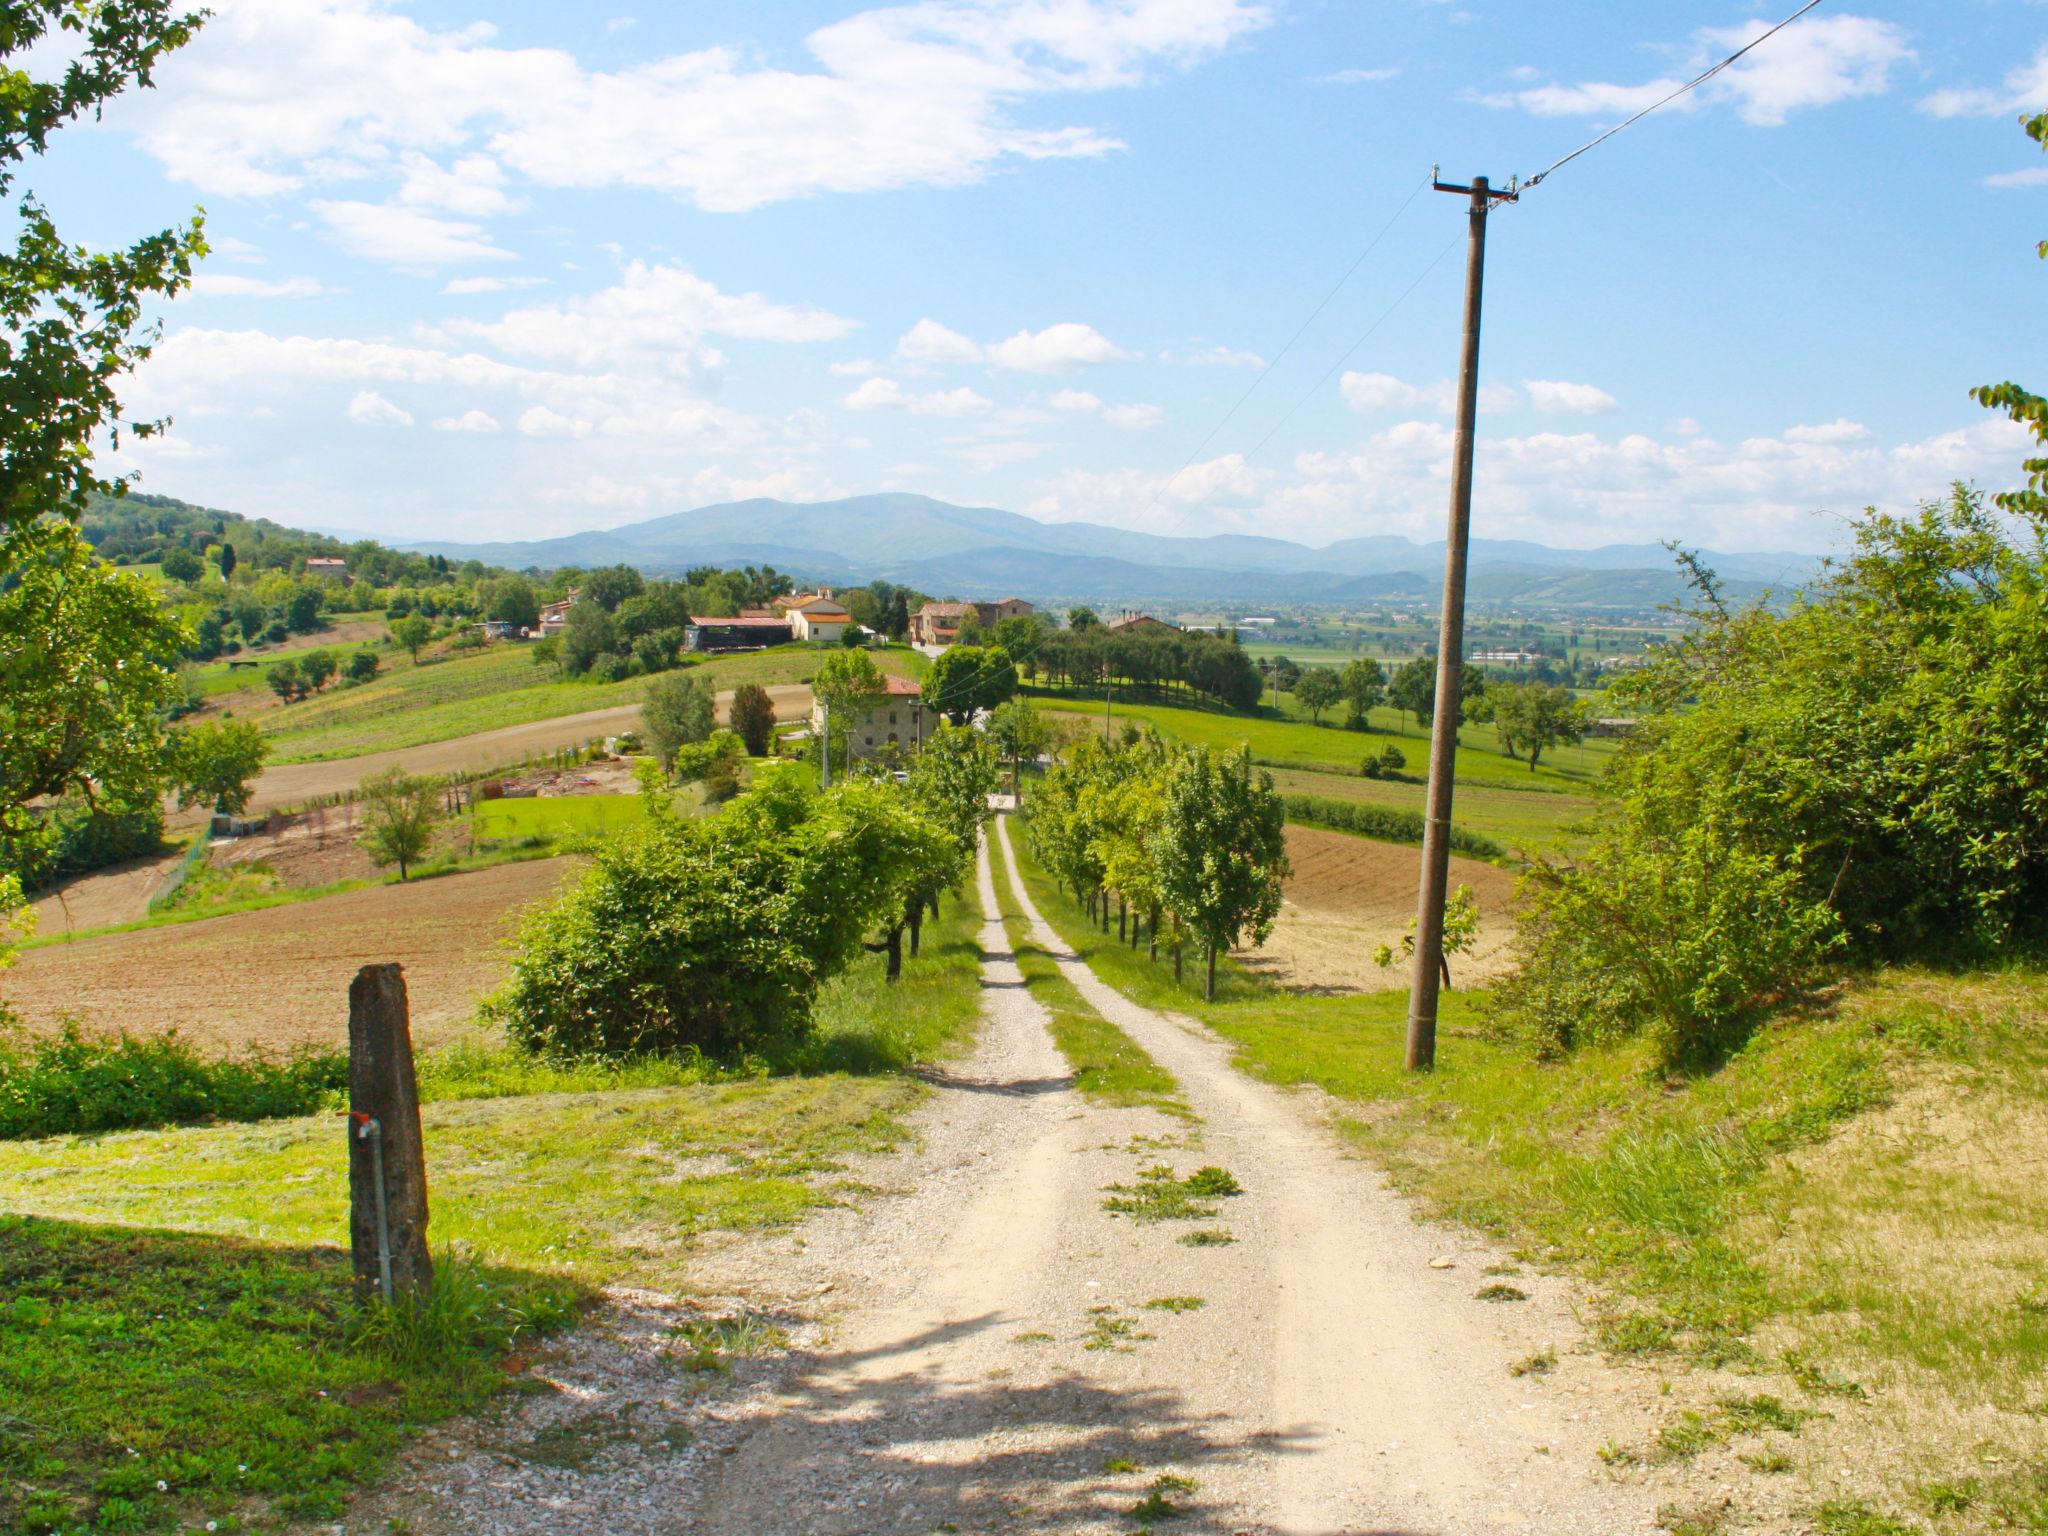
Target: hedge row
75 1083
1384 823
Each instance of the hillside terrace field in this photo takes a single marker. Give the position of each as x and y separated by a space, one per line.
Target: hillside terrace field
461 695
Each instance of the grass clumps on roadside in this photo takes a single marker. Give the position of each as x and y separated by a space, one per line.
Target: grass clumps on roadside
1176 1304
106 1331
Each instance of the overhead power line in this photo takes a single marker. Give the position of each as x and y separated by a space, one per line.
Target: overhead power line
1690 85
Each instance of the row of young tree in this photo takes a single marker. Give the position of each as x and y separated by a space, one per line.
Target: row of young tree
713 935
1187 844
1165 660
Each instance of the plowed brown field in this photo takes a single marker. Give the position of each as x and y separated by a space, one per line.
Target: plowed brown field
1348 895
279 977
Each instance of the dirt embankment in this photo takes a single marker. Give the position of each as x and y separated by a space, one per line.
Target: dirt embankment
1348 895
279 977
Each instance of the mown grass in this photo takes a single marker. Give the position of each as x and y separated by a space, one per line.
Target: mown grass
1109 1066
207 1349
555 816
1851 1204
1523 820
154 1380
500 685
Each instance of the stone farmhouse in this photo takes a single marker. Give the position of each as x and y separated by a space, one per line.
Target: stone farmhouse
893 724
939 623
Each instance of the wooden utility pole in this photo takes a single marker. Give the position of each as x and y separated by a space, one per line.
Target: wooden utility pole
1450 654
387 1166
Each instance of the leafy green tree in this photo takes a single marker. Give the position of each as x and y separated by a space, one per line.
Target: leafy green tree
413 632
227 561
87 668
71 316
1221 851
1412 690
510 600
1365 687
286 680
1532 717
1083 618
362 666
848 681
897 624
950 784
181 565
1019 732
587 634
216 764
610 587
753 717
400 812
250 617
678 710
302 610
1317 690
318 668
967 679
713 762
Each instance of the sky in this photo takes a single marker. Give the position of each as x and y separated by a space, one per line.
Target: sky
515 269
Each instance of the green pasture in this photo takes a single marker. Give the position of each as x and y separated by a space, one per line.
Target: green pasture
555 816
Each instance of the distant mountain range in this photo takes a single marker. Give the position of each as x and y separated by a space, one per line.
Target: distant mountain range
986 552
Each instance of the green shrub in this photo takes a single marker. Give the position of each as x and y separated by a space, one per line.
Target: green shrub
1383 822
76 838
74 1083
713 936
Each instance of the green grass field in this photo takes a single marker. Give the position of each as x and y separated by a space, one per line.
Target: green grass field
500 685
176 1343
555 816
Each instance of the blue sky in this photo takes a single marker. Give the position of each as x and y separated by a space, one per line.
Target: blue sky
521 269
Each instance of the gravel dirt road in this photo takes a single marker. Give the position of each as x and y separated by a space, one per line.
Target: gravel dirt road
980 1346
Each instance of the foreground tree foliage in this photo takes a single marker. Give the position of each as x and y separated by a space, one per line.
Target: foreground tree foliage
714 936
1865 773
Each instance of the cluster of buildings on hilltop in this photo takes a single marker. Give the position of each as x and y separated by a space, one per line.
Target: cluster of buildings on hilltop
809 616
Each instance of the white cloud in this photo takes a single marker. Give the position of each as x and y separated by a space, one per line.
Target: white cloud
404 237
1554 397
1060 348
930 342
1839 431
1358 76
277 95
231 285
467 285
855 367
2033 176
473 187
1134 418
229 248
1075 400
1760 493
539 421
1217 356
468 421
652 310
2024 90
887 395
1814 63
1377 392
621 23
371 409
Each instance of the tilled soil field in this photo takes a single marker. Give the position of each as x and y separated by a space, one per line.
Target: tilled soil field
279 977
1349 895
